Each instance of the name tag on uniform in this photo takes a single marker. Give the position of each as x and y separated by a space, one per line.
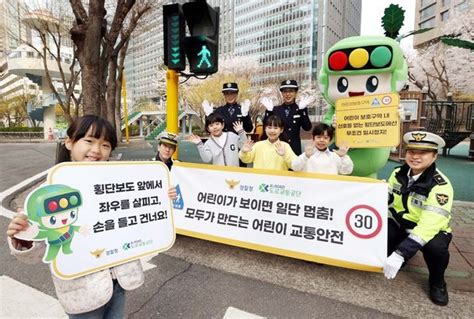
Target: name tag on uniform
296 116
239 115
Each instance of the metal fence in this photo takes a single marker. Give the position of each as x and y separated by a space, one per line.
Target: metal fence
452 120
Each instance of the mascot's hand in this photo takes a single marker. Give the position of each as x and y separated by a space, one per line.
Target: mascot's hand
208 108
268 103
334 121
244 108
304 102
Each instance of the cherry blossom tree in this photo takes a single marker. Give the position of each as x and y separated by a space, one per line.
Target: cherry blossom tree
443 68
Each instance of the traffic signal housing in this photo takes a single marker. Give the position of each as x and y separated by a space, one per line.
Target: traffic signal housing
202 47
174 33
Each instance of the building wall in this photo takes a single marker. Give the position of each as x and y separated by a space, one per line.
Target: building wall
289 37
144 57
433 14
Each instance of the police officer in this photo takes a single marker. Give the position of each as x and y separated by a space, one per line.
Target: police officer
231 111
420 202
167 144
294 116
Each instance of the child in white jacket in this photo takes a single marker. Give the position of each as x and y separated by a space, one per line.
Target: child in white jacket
222 148
317 158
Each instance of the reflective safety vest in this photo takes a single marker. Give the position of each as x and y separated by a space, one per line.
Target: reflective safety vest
423 208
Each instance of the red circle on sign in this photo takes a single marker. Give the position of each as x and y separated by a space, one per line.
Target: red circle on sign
374 211
338 60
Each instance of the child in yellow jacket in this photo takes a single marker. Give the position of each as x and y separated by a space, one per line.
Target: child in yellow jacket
271 153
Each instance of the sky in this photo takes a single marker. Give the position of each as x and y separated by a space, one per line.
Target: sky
373 10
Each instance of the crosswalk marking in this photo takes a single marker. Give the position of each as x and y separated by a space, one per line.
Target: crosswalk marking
234 313
22 301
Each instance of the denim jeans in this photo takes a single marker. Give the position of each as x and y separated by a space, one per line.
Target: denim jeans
113 309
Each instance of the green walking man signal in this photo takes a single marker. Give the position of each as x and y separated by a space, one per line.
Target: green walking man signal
201 47
204 53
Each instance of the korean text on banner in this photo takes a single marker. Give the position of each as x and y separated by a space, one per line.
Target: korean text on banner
334 220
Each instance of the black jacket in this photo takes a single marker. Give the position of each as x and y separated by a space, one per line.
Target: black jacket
236 116
295 121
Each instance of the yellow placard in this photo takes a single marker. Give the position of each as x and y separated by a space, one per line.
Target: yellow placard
368 121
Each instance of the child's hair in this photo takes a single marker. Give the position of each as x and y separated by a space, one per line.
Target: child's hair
320 128
79 128
214 118
274 120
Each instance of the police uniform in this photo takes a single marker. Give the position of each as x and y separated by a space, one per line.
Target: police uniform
293 118
169 139
232 112
421 210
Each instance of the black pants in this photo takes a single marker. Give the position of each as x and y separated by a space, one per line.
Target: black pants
435 252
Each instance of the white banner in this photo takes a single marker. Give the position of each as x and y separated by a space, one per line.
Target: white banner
336 220
98 215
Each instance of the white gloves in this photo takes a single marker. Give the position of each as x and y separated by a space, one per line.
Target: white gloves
304 102
268 103
244 108
392 265
208 108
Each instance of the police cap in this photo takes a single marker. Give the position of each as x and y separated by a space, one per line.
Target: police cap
289 84
423 140
168 138
230 87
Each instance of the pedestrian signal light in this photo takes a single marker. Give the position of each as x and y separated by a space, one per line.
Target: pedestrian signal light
202 47
173 33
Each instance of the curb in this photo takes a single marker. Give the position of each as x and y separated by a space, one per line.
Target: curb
7 195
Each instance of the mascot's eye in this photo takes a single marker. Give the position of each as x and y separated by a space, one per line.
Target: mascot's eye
52 220
372 84
73 214
342 84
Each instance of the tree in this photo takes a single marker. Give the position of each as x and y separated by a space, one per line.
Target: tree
49 23
100 39
442 68
13 111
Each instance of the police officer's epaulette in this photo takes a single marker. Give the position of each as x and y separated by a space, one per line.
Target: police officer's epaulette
439 179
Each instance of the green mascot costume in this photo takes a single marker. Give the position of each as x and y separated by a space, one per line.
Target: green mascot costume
358 66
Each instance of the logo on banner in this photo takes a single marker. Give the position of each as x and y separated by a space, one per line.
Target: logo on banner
386 100
375 102
232 183
364 221
178 203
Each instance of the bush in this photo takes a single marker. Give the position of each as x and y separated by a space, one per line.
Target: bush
21 129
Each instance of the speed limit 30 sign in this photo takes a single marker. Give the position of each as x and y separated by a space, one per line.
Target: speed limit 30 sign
364 221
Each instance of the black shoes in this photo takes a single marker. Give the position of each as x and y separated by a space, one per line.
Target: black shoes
439 295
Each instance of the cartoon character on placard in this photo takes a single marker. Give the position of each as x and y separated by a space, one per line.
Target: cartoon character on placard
52 211
358 66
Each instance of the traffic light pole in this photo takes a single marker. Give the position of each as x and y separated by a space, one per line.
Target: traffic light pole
172 104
